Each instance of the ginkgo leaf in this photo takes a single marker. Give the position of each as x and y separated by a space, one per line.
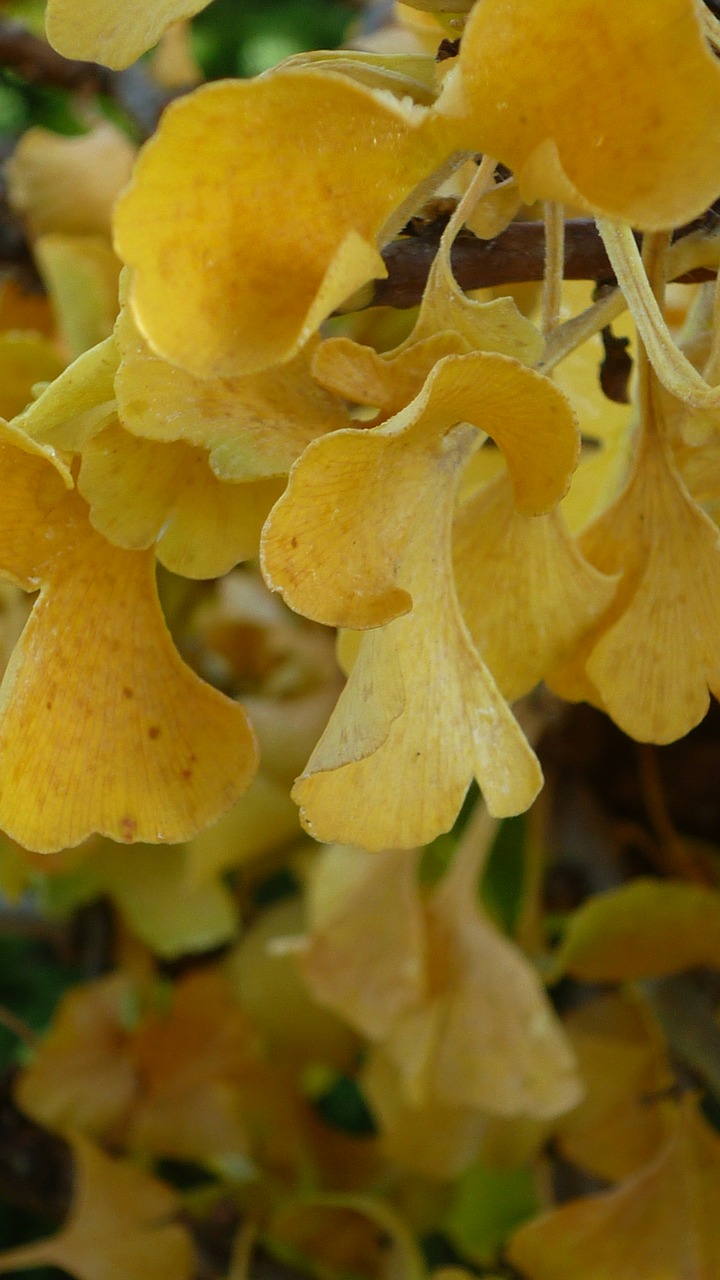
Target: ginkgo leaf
77 403
623 1119
69 184
143 494
573 107
434 1139
82 1076
112 33
25 360
487 1036
81 274
219 288
121 1223
654 657
103 728
172 912
659 1223
643 929
522 634
365 958
253 427
402 745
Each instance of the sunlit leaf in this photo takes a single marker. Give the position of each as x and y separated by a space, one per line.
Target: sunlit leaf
112 32
573 107
103 729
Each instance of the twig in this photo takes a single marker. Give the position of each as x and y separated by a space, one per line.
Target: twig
516 256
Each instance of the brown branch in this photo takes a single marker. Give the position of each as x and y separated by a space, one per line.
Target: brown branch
516 256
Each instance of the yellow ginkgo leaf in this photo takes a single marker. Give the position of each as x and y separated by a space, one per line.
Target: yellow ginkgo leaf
654 657
142 493
365 957
253 427
121 1223
434 1139
623 1119
522 634
487 1036
111 32
641 930
77 403
102 727
69 184
573 107
82 1076
420 714
217 286
25 360
658 1223
81 274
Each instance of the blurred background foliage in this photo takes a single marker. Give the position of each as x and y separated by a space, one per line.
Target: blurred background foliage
229 38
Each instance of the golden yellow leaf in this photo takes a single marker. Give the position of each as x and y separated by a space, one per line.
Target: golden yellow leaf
217 286
25 360
253 427
420 714
164 495
659 1223
654 657
114 32
607 111
522 633
623 1119
643 929
103 727
77 403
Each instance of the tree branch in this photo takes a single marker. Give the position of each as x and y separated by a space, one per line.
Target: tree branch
516 256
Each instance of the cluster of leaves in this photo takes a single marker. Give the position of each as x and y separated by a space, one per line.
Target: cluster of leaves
338 1016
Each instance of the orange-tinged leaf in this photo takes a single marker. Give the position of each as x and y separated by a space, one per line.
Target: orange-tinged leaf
573 104
103 728
219 288
623 1119
643 929
114 32
659 1223
120 1224
82 1076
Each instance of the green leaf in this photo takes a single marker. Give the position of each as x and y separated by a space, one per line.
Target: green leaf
489 1204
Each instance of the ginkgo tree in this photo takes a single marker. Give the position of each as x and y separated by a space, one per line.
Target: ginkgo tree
296 589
